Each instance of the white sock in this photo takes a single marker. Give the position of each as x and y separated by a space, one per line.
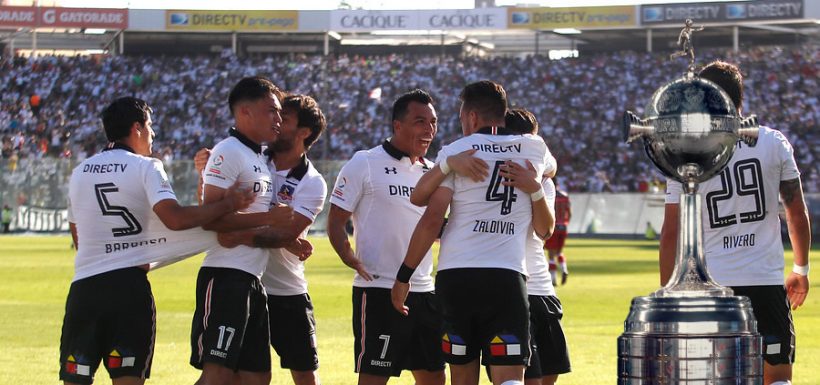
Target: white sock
782 383
516 382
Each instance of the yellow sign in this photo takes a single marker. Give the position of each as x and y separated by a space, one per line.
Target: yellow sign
199 20
574 17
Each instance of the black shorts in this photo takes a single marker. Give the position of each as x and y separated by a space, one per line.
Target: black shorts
550 355
110 317
772 310
293 331
230 325
485 311
387 342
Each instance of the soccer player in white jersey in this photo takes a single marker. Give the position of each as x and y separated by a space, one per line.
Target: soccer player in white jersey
230 325
742 231
481 277
121 212
550 356
374 189
299 185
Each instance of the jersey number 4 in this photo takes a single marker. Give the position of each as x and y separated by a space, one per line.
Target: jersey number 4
748 181
132 225
499 192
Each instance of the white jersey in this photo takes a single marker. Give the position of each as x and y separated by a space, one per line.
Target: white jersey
741 227
490 223
303 189
375 186
540 280
111 202
238 159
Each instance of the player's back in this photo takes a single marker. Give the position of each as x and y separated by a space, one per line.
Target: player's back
489 222
111 199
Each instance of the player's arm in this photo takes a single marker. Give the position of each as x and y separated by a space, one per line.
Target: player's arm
425 233
277 216
73 228
669 241
463 163
797 220
200 161
336 221
177 217
524 179
273 238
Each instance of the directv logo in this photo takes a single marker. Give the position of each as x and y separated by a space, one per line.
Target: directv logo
653 14
735 11
179 19
521 18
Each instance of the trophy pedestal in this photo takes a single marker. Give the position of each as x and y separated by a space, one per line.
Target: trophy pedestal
690 340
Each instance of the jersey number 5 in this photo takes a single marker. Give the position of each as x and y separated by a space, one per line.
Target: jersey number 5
748 181
499 192
132 225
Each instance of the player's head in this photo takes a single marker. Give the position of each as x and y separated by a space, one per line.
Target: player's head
254 104
728 77
302 122
128 120
521 121
483 103
414 123
688 22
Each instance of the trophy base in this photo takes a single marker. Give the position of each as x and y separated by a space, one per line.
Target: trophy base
684 340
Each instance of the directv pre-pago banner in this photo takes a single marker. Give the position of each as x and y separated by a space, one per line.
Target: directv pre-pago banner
572 17
722 12
202 20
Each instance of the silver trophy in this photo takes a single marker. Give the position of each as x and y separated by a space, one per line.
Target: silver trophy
691 331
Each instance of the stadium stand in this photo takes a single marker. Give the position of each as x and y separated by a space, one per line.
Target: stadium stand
577 101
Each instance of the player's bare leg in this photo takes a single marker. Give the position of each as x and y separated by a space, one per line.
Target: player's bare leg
504 373
426 377
774 373
127 380
304 377
466 374
562 262
369 379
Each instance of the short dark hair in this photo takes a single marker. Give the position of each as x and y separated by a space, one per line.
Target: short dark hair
401 104
728 77
120 116
308 114
251 89
487 98
521 121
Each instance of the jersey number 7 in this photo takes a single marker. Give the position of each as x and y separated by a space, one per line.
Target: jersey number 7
132 225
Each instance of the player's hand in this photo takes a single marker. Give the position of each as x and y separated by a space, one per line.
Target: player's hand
465 164
201 159
235 238
797 289
280 216
301 248
357 265
520 177
398 295
239 198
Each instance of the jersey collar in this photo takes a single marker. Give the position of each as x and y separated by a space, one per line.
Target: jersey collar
299 171
257 148
397 154
496 130
120 146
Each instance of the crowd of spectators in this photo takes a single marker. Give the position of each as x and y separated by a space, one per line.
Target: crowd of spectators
50 105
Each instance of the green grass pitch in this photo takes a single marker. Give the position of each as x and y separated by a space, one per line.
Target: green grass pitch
35 273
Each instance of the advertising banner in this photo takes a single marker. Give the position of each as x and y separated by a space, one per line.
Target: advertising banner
722 12
441 19
571 17
18 16
202 20
30 218
84 18
355 20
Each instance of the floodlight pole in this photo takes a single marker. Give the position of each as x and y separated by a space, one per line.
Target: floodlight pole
121 45
326 47
649 40
233 43
736 38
